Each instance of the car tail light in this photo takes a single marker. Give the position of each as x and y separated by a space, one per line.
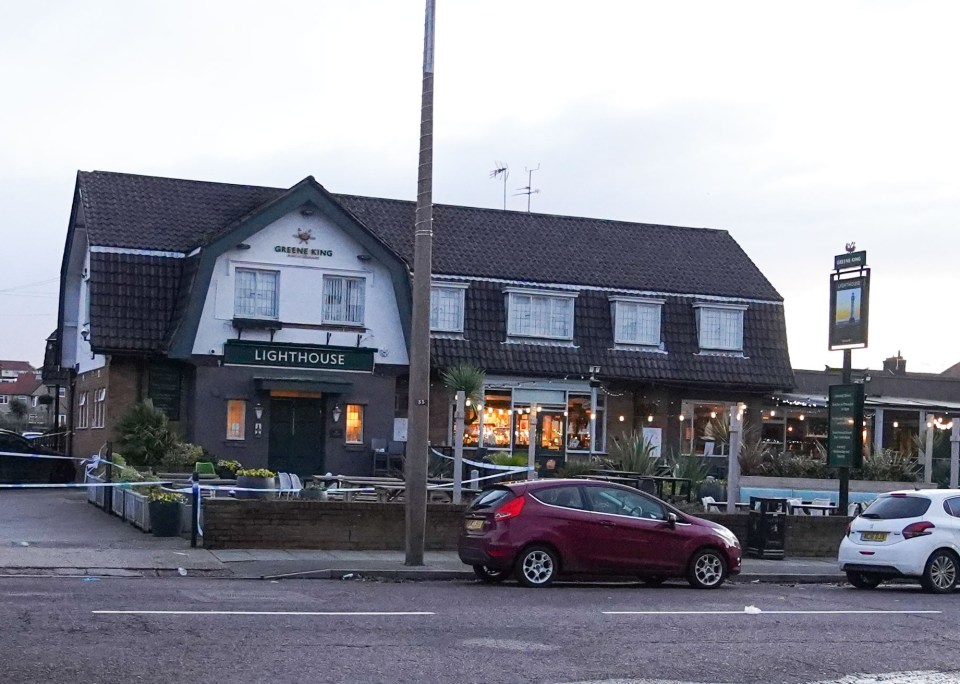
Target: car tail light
917 529
511 509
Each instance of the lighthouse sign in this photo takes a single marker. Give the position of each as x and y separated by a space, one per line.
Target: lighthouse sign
849 304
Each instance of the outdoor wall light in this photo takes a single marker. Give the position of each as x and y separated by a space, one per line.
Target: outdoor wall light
649 419
337 411
258 410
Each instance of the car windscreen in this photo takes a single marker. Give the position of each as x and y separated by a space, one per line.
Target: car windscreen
893 507
490 499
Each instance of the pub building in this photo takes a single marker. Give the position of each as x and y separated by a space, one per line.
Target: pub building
272 325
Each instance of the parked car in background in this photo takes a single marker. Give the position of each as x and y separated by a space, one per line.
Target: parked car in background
31 435
26 470
914 533
541 529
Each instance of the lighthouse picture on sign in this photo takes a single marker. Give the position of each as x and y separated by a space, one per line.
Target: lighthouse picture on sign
848 312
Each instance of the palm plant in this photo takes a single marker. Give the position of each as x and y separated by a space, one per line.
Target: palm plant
634 453
465 378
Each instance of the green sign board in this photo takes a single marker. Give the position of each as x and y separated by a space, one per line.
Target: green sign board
845 438
241 353
852 260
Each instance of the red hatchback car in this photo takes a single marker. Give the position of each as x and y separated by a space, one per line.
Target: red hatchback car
537 530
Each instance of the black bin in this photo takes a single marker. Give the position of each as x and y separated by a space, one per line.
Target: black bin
765 527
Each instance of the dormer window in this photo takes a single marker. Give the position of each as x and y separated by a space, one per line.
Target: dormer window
636 321
531 313
446 307
720 326
255 293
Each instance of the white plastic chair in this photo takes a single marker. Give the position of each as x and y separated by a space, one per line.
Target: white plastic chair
708 502
285 484
820 502
794 502
296 486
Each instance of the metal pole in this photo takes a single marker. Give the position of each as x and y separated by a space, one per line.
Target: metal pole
458 421
844 471
954 452
108 477
195 507
532 443
928 451
733 459
415 468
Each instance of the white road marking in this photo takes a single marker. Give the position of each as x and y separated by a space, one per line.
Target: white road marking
259 612
772 612
911 677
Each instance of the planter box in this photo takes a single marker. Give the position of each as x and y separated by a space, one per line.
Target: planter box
117 503
95 494
810 488
136 511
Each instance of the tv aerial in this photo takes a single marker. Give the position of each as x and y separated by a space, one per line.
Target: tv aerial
528 188
502 170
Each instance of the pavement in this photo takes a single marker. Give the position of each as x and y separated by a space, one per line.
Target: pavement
57 532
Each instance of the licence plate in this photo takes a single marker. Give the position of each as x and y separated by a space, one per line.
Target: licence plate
873 536
474 524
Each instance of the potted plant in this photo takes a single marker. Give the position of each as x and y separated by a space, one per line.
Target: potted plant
164 512
256 479
227 470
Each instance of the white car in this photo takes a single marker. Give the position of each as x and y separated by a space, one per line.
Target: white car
911 533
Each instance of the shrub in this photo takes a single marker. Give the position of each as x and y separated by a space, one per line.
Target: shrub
892 466
144 434
506 459
181 457
157 494
634 452
689 466
791 464
255 472
577 467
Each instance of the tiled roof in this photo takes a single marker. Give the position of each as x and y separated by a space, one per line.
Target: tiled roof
25 385
18 366
764 364
137 300
132 300
167 214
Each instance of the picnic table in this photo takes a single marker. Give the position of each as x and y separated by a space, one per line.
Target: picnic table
721 506
812 508
679 486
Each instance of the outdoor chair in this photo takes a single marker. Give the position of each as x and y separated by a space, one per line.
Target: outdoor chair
296 486
206 470
820 502
708 503
286 486
381 459
794 502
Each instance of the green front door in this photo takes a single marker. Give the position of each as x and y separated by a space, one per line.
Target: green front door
296 436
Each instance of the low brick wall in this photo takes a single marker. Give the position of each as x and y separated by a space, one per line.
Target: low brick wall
293 524
299 524
805 535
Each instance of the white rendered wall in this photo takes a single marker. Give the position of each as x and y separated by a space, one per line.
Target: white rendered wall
83 357
300 290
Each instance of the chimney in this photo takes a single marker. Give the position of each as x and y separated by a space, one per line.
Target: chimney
897 365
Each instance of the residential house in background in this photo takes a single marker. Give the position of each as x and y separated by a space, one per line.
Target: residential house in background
272 325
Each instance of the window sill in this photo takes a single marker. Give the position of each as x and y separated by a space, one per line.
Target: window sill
722 352
542 342
257 324
650 348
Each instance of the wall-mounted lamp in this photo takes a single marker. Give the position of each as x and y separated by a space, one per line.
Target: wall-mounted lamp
258 410
364 257
337 412
306 211
85 334
243 245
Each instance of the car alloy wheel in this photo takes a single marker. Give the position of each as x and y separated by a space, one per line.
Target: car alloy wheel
940 575
707 569
489 575
536 567
863 580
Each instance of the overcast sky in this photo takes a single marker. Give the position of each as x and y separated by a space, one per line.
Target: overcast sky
797 127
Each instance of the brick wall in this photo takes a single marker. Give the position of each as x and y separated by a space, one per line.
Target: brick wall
120 377
807 535
291 524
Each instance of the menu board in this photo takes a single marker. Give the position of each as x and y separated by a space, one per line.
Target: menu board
164 389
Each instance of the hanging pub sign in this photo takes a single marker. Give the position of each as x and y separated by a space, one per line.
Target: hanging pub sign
845 428
849 310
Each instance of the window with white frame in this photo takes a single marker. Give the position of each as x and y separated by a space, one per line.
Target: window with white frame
82 409
446 308
636 321
343 300
720 326
4 398
255 293
99 404
540 315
